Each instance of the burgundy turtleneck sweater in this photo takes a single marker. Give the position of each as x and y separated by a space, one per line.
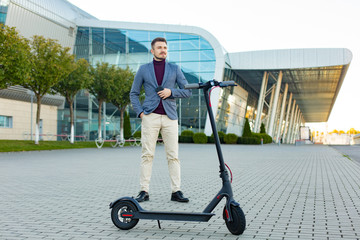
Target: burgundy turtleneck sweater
159 67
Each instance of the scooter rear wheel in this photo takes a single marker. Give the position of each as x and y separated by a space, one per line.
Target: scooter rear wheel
238 223
123 207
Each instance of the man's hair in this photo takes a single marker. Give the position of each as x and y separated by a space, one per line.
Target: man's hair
158 39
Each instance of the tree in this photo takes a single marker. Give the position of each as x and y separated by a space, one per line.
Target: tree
127 126
335 131
69 86
120 93
50 63
247 130
351 131
262 128
14 58
103 80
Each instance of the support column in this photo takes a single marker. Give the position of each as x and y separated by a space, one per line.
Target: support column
302 119
299 124
277 114
261 102
293 133
296 126
270 107
291 122
292 136
282 114
287 118
273 110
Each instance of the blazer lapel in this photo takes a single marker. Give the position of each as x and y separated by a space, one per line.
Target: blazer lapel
166 73
152 72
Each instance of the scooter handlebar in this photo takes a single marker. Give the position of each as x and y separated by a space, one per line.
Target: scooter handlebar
192 86
209 84
227 83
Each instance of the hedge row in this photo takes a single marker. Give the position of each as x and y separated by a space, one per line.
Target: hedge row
188 136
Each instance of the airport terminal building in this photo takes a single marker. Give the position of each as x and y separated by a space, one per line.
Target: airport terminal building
281 88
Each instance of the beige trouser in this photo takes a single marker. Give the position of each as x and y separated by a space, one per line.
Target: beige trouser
151 124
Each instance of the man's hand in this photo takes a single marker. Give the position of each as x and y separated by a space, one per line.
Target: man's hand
164 93
141 115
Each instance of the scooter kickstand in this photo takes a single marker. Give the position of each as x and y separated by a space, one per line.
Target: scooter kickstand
159 224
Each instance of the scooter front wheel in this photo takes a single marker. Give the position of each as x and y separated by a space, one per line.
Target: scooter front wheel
123 207
238 223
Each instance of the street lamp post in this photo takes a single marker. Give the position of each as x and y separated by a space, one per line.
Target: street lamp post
32 94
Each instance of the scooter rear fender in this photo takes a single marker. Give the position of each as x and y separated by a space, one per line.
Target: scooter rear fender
128 199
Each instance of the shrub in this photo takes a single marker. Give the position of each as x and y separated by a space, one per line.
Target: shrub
185 139
221 136
200 138
258 135
262 128
266 138
230 138
187 133
248 140
186 136
211 139
137 134
247 131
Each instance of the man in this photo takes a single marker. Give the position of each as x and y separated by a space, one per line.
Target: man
158 113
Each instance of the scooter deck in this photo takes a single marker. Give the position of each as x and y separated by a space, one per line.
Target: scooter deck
174 216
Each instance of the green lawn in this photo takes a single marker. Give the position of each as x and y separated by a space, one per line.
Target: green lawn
24 145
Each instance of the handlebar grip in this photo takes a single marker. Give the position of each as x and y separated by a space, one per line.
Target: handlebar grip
192 86
227 83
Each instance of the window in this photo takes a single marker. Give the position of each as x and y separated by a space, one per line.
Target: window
71 31
3 10
5 122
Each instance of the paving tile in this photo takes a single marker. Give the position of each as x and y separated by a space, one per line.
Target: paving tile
286 192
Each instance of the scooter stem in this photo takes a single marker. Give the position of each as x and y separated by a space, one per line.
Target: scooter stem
213 126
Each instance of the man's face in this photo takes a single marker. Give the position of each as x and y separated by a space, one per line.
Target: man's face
159 51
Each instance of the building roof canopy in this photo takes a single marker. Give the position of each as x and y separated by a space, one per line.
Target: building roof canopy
314 76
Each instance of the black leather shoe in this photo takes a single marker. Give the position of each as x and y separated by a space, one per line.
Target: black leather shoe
179 197
143 196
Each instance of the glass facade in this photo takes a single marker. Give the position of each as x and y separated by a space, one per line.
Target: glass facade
124 47
236 104
3 10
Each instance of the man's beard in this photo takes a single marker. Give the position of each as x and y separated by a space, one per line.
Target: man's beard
159 57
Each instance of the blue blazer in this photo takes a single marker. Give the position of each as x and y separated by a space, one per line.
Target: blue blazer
145 76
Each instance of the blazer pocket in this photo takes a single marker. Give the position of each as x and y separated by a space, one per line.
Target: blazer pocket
171 101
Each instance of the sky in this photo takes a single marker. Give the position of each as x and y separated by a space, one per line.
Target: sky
250 25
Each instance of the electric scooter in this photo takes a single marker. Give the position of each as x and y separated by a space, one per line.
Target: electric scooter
126 211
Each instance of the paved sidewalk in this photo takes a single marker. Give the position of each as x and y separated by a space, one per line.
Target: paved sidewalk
286 192
352 151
